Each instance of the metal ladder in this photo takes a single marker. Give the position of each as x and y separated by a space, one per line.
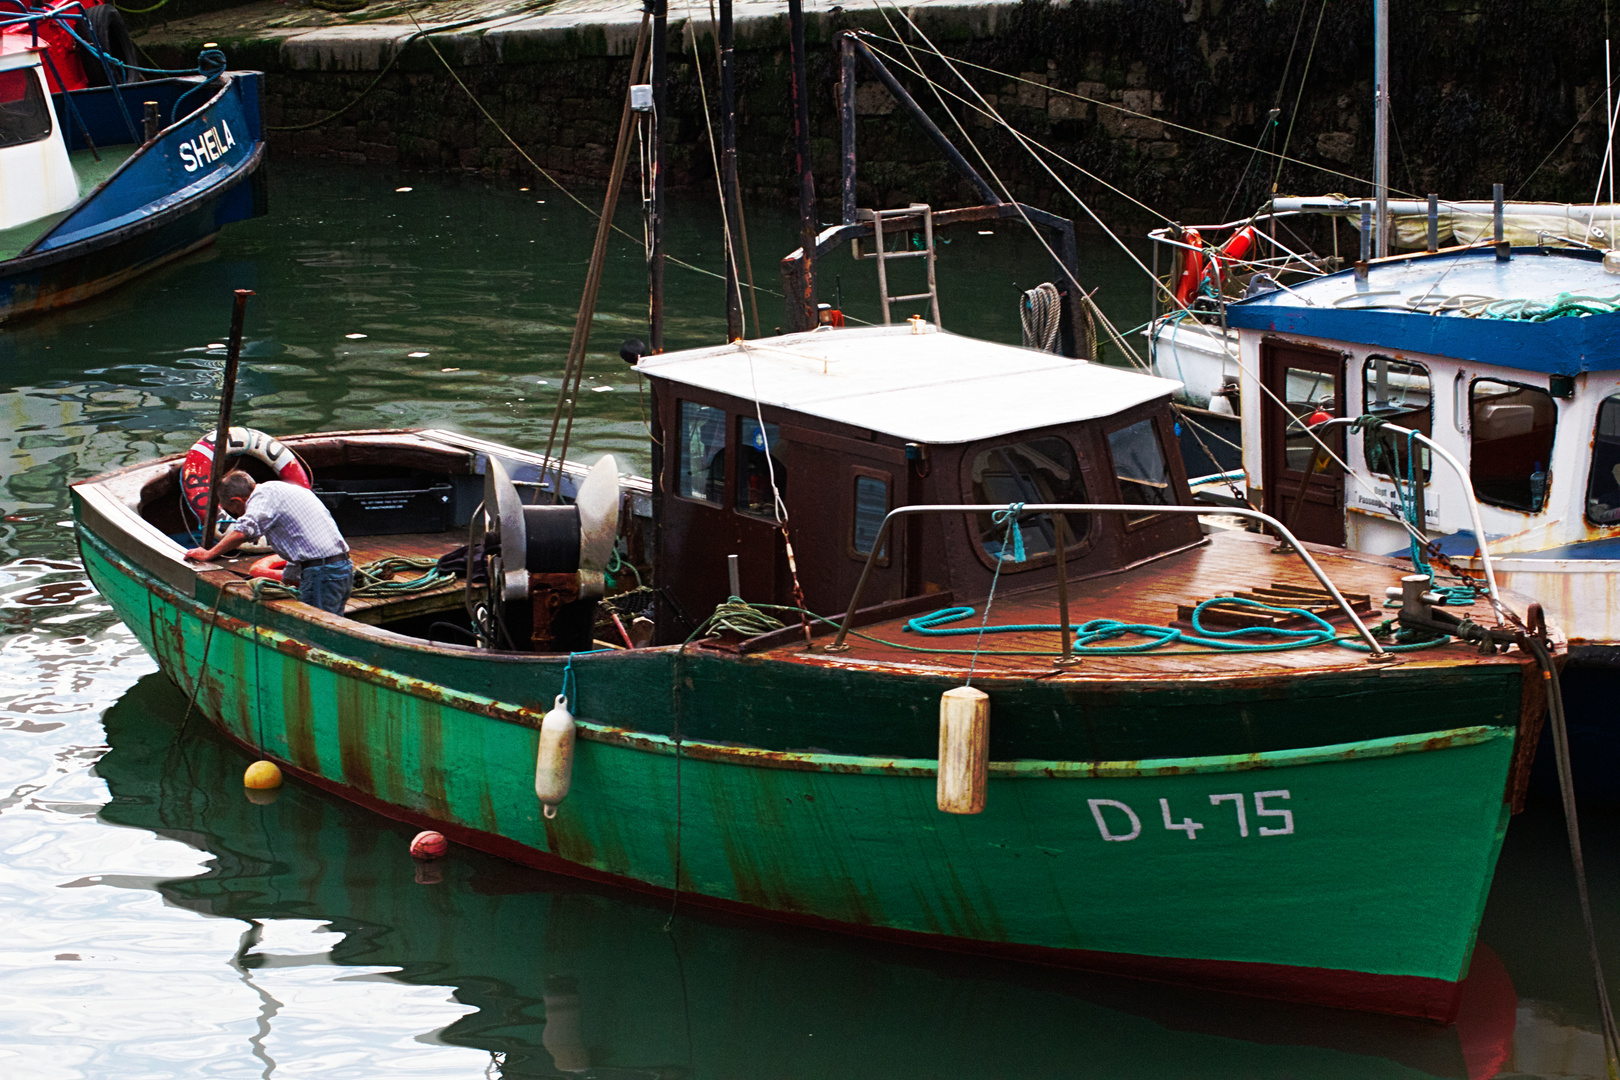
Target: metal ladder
877 217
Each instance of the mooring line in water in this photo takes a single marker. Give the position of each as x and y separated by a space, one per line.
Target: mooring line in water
1566 791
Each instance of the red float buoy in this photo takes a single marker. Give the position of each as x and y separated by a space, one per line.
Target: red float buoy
429 845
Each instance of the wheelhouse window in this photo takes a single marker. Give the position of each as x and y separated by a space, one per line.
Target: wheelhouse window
1398 392
1511 443
25 114
1144 476
1308 393
1035 471
701 458
1603 488
871 507
759 462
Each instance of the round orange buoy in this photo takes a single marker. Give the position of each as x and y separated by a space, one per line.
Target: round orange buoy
429 845
262 775
1320 416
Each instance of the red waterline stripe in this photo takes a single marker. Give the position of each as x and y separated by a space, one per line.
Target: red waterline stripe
1399 995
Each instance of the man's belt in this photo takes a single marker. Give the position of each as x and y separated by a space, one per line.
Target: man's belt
340 557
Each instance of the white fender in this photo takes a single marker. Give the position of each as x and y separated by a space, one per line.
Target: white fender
554 770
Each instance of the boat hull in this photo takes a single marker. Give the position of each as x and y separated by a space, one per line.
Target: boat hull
1360 887
152 209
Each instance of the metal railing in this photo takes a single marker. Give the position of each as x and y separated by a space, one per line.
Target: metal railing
1377 652
1468 489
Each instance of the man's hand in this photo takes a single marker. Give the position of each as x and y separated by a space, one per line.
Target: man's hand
199 555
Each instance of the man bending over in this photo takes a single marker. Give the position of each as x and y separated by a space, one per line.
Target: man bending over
294 522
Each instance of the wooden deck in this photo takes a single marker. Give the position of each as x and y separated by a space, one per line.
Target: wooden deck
1151 594
365 549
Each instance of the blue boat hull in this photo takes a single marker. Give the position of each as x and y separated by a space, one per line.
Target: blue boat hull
169 198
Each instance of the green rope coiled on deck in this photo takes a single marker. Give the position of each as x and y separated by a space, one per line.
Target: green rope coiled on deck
373 581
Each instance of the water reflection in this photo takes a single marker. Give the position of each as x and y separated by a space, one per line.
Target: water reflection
555 977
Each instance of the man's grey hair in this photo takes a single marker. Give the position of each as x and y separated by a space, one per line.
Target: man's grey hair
237 485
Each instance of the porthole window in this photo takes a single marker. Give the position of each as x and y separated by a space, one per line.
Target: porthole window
25 114
701 453
1603 485
1036 471
1144 477
1511 441
1398 392
759 463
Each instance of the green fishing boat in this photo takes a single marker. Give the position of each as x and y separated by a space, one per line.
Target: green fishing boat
1258 796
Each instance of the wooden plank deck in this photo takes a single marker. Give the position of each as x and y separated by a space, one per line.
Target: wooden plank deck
366 549
1150 594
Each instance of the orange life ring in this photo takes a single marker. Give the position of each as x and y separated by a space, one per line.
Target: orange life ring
199 464
270 567
1237 245
1192 267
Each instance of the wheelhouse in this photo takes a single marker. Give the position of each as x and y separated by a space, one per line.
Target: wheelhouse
831 430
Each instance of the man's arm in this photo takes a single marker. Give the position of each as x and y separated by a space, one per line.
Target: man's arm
227 544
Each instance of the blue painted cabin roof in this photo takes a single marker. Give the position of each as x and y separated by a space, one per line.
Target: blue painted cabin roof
1329 307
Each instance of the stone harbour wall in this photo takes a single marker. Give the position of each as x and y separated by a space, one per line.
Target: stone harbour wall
1147 107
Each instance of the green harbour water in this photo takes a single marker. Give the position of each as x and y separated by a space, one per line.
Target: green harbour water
162 925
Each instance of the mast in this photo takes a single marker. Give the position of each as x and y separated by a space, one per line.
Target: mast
801 146
1381 126
728 174
655 256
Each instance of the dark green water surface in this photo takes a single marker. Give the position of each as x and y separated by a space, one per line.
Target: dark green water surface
158 924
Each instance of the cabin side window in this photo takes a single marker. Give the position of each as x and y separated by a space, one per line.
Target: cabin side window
1397 392
759 462
871 507
1510 444
25 115
1144 476
1035 471
701 460
1603 488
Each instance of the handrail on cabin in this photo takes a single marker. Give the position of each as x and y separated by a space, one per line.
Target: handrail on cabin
1377 652
1468 489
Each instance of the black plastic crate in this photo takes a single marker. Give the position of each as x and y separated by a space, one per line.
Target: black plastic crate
387 507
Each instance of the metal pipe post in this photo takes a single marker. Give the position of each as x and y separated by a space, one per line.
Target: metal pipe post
1381 122
655 257
222 430
946 147
801 154
846 121
1434 223
728 173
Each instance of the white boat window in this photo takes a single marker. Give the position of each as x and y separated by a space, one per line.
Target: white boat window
1398 392
1511 442
1603 488
25 115
701 464
1139 463
754 473
1036 471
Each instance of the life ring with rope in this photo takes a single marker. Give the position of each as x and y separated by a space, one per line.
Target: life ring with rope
199 463
1198 267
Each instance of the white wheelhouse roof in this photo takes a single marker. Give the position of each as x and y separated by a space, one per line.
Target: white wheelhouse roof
929 387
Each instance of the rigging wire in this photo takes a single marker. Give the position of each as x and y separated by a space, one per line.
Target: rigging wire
1124 345
1298 96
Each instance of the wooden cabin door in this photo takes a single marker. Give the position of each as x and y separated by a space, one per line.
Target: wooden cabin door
839 490
1304 489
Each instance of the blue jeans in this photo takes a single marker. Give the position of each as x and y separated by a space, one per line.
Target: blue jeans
327 586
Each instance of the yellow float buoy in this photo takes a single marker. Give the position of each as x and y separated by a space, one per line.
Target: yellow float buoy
262 775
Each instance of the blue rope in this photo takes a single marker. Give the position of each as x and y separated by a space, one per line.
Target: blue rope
1087 634
1009 518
